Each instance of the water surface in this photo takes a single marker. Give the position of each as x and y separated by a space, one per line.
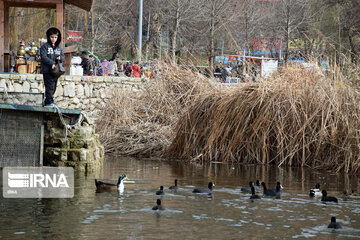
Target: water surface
226 214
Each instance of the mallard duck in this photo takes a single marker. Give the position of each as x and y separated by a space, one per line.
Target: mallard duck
315 192
158 205
253 195
334 224
110 186
161 191
272 192
175 187
325 197
204 190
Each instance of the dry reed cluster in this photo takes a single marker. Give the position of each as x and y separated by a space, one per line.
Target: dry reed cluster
297 118
142 123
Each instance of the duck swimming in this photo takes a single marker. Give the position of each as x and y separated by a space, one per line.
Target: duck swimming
334 224
175 187
325 198
204 190
161 191
315 192
158 205
272 192
351 195
247 189
257 186
110 186
253 195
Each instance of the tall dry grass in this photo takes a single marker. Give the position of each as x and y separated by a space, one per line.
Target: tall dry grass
297 118
142 123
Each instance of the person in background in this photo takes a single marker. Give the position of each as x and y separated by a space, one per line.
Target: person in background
84 62
136 71
115 58
228 71
105 65
121 65
51 53
128 69
217 72
224 74
112 67
91 65
124 65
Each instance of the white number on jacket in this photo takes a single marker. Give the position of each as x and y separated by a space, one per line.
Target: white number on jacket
50 51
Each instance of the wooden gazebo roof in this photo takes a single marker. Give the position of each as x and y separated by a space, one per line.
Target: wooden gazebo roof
83 4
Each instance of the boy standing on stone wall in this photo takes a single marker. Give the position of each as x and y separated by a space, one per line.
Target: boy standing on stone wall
50 53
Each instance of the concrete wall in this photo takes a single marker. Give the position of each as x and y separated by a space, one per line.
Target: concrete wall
87 93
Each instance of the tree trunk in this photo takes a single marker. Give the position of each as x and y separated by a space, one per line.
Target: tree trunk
247 33
92 29
287 33
155 35
211 37
175 32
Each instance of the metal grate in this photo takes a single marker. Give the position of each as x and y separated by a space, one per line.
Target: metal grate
20 138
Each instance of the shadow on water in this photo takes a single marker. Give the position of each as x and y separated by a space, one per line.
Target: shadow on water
225 214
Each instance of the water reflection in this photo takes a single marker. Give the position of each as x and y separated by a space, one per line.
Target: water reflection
225 214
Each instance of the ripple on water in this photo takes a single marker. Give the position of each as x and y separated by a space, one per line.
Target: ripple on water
274 209
236 225
349 236
224 219
90 219
201 216
311 232
323 229
258 223
299 200
228 190
110 211
356 210
149 210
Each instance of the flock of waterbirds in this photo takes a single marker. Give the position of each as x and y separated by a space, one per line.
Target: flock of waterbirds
251 188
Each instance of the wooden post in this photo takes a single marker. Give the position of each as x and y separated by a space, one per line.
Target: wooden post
2 41
60 21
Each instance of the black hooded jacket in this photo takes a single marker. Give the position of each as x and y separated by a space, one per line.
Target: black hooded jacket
49 53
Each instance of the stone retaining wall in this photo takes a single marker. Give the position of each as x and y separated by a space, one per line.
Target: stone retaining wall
81 149
87 93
